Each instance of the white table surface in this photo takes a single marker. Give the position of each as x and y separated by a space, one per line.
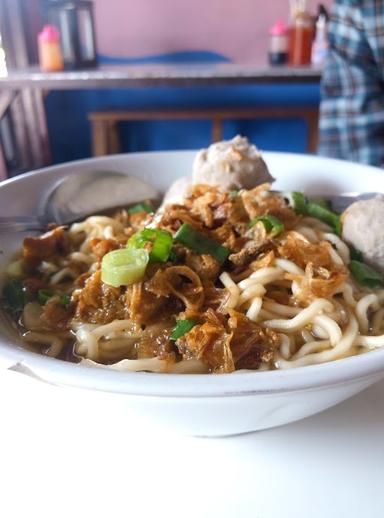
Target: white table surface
60 457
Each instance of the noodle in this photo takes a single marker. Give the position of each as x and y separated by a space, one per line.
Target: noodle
285 346
55 344
308 233
280 309
254 309
348 291
341 247
311 347
88 344
275 302
152 365
371 342
362 309
305 317
267 275
340 351
256 290
377 321
330 327
62 274
289 266
234 290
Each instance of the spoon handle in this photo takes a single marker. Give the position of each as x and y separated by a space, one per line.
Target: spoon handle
19 224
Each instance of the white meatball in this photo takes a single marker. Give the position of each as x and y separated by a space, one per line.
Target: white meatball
177 191
363 228
231 164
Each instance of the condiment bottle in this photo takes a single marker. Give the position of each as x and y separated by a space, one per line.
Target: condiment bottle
75 20
320 43
278 44
302 34
50 56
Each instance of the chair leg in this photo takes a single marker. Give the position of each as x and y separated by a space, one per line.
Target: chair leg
99 138
113 138
312 120
217 129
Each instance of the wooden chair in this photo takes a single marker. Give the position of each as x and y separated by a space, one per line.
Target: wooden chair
105 134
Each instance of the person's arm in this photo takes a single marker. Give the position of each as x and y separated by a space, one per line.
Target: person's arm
352 106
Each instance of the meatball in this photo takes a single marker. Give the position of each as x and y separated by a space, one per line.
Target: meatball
363 228
231 164
176 192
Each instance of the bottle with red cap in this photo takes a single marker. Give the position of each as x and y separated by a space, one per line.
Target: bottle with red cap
278 44
50 56
301 34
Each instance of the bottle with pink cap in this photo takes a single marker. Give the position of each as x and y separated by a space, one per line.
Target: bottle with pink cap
278 43
50 55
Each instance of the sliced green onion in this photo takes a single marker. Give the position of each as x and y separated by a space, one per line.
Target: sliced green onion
15 296
272 224
15 269
43 296
323 203
161 242
299 202
327 216
140 207
319 210
173 257
233 194
191 238
124 267
356 255
182 328
64 299
365 275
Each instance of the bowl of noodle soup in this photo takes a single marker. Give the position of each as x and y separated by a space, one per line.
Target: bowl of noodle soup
314 353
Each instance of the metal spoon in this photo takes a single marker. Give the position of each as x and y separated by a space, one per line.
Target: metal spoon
76 196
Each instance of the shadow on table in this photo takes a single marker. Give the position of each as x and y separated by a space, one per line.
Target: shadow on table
360 418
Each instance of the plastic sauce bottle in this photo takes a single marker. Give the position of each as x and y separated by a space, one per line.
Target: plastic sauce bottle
278 44
50 56
302 34
320 43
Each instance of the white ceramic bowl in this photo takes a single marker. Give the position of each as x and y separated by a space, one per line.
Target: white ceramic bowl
208 405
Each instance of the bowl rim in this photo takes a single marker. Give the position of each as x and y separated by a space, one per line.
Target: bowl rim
245 383
238 383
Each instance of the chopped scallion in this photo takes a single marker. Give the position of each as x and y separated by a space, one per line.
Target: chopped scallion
299 202
140 207
15 295
316 210
160 242
272 224
124 267
366 275
182 328
15 269
43 296
191 238
327 216
356 255
65 299
323 203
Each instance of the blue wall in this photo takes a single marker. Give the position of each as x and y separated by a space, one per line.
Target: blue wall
70 130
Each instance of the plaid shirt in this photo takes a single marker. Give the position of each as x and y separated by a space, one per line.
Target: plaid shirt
352 105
